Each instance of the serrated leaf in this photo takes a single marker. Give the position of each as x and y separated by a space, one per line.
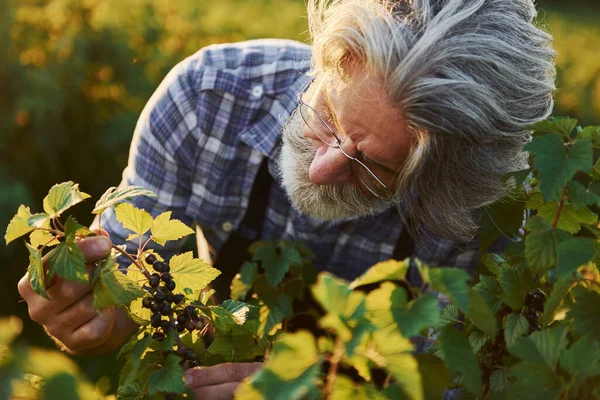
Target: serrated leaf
242 282
503 218
234 347
168 378
477 339
113 196
36 272
490 290
273 312
18 225
335 296
575 253
480 314
344 388
559 290
135 358
580 196
540 248
533 382
62 197
277 260
68 262
460 359
453 283
40 238
516 283
113 287
61 386
191 273
449 315
134 219
391 270
515 326
164 229
562 126
570 219
541 347
293 355
582 360
585 313
555 166
434 374
590 132
499 380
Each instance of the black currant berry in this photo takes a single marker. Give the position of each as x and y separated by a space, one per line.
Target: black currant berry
165 309
199 325
160 296
170 298
166 277
158 336
178 298
154 280
532 318
182 319
146 302
180 328
165 325
159 266
190 325
191 311
155 320
150 258
170 285
154 306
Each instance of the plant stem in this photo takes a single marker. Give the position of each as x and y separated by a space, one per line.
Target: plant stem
333 366
563 197
142 268
386 383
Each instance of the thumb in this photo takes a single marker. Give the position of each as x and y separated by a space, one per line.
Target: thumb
95 248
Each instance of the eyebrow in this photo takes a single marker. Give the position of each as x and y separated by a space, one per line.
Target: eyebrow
336 122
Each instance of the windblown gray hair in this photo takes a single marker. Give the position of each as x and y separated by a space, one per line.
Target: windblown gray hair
468 76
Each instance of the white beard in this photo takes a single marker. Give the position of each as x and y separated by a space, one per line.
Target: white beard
335 202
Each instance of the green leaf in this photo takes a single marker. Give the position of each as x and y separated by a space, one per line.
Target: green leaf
273 311
585 313
491 291
480 314
493 263
516 283
36 272
449 315
477 339
39 238
242 282
388 310
193 273
555 166
434 375
395 356
562 126
277 259
451 282
335 296
460 359
113 196
515 326
541 347
136 220
575 253
235 347
503 218
62 197
580 196
113 287
164 229
533 382
135 358
267 385
571 219
18 225
168 378
68 262
391 270
62 386
589 132
10 328
582 360
540 248
499 380
559 290
344 388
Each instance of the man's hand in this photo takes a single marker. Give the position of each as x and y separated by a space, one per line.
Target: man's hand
70 317
220 381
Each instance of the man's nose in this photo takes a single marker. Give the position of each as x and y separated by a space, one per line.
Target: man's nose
330 166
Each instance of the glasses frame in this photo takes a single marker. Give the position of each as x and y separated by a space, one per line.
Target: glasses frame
388 196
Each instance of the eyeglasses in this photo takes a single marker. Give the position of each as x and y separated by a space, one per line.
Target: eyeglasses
311 117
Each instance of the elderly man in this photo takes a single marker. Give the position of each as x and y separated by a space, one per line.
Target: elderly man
402 116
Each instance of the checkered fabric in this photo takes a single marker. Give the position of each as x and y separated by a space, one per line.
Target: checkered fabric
199 143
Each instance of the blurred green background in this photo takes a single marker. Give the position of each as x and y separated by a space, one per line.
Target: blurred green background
75 74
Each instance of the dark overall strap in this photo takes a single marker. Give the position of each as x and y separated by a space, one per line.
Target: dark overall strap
235 250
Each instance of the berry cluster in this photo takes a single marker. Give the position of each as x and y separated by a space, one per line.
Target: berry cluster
169 311
534 305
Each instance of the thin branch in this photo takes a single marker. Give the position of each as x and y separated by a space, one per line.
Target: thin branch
59 223
388 378
333 366
126 254
563 197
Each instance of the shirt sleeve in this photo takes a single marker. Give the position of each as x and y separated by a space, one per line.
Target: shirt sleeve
162 154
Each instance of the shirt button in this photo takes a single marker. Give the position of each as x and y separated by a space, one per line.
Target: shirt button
257 91
227 226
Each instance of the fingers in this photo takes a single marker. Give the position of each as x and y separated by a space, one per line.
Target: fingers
224 391
219 374
94 332
95 248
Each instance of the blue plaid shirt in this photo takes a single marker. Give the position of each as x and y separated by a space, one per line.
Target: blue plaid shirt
199 143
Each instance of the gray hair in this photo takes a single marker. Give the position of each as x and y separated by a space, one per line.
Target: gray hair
468 76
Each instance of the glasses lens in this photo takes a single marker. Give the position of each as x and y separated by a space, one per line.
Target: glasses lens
371 182
317 125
